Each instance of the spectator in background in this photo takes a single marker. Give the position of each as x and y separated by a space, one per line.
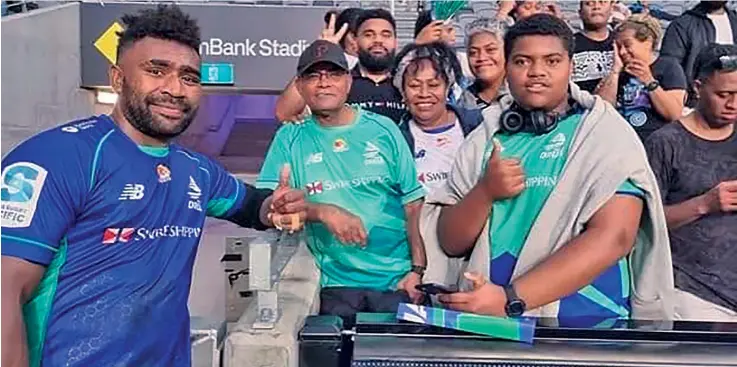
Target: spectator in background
376 37
593 56
372 89
707 22
527 8
433 129
428 30
348 41
505 11
515 11
648 91
290 106
655 11
695 162
485 45
362 190
620 13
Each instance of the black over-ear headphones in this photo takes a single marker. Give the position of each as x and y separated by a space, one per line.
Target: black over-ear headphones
516 119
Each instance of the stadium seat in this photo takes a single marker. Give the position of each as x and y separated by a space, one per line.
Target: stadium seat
349 4
328 3
298 2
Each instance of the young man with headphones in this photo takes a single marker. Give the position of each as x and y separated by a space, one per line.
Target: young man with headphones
551 200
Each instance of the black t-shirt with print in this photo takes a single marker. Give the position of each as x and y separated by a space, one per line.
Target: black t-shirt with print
704 251
592 61
633 101
381 98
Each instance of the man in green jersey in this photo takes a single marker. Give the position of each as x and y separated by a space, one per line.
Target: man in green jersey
362 191
550 196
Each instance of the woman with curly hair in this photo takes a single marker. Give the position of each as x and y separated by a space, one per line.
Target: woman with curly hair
433 128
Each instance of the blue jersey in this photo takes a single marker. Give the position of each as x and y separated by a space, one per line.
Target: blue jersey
117 227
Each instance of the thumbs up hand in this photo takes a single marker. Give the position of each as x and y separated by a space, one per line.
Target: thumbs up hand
503 177
288 209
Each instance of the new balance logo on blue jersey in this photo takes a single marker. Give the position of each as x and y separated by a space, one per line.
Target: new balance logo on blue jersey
132 192
194 195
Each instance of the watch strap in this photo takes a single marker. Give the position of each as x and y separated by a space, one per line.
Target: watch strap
418 269
510 293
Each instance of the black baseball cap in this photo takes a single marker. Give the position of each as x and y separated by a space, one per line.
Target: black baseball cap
322 51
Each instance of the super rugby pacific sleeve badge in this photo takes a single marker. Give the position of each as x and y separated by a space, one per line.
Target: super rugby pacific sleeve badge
20 189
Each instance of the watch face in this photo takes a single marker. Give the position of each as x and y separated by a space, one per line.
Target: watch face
652 86
515 308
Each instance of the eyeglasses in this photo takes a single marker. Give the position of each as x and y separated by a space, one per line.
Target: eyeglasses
331 75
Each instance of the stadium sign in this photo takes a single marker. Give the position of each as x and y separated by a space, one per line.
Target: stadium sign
261 44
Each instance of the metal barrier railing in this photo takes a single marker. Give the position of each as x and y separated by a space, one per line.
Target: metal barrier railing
253 267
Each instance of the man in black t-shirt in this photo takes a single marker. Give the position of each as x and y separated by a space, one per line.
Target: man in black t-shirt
594 46
695 162
372 87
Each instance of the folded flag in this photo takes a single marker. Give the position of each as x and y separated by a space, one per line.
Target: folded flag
518 329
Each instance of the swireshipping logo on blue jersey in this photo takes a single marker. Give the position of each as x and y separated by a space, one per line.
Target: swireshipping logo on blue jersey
124 235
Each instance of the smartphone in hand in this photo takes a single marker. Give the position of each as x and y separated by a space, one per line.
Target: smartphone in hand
434 288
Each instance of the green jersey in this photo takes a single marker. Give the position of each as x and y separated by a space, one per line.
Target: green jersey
365 168
543 158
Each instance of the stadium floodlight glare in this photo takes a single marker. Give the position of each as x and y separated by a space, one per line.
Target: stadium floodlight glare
105 97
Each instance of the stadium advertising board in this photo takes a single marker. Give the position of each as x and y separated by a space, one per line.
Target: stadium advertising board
259 45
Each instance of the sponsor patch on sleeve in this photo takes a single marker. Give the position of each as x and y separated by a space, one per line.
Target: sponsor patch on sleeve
19 192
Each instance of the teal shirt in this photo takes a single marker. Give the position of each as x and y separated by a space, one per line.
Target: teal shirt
365 168
543 158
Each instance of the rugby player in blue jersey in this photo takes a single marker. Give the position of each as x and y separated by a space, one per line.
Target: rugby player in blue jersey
101 217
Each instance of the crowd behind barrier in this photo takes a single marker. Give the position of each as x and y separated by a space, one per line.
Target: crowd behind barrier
619 59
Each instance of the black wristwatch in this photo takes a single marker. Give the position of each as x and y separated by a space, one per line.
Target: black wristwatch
418 269
515 306
653 85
